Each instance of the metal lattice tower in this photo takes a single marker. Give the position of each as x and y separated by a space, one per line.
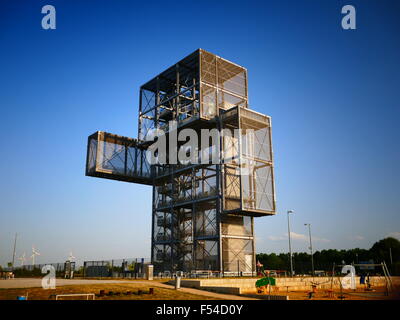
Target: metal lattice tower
202 213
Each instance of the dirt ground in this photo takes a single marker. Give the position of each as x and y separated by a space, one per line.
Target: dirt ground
140 290
378 293
119 292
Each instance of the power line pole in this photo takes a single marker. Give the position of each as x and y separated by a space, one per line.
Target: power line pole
312 259
15 246
290 245
391 258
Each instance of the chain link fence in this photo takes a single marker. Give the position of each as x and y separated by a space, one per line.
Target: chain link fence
35 270
116 268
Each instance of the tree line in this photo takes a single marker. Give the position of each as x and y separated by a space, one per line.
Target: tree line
386 250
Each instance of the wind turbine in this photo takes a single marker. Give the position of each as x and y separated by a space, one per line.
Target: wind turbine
22 259
34 253
71 257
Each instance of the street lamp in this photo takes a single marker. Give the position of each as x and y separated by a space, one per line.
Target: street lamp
312 260
290 246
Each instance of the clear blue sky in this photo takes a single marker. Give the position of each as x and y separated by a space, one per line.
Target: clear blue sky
333 96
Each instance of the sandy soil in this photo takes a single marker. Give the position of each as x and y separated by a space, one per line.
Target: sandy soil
119 292
378 293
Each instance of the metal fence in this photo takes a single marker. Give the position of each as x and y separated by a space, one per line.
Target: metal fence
135 268
35 270
116 268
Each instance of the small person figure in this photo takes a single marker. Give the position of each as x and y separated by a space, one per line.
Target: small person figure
362 280
368 282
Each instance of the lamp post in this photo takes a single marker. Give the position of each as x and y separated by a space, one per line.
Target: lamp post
312 259
290 245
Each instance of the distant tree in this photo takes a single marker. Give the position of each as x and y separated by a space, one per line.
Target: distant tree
381 250
272 261
325 259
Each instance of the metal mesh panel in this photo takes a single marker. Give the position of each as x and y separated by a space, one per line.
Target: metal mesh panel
163 195
223 83
115 157
164 223
230 147
237 255
208 67
232 194
162 257
231 77
208 101
184 249
256 162
231 173
235 225
206 220
207 254
227 100
147 123
257 186
148 99
92 154
205 182
188 104
111 157
256 136
248 184
184 187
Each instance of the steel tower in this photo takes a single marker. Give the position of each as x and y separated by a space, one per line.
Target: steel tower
202 213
